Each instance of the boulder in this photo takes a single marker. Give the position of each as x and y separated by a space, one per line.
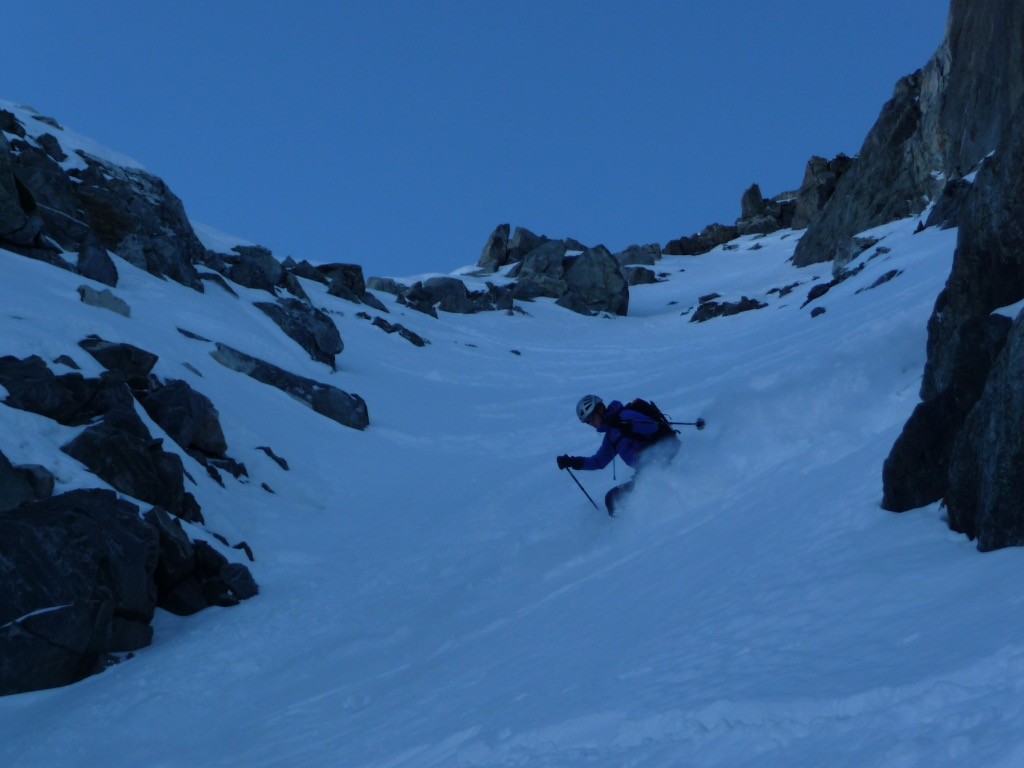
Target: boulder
346 409
187 416
70 399
710 309
639 275
523 241
311 328
78 583
706 240
120 450
254 267
647 255
594 281
95 263
495 254
104 299
132 362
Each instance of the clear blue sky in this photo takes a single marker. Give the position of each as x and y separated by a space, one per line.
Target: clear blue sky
397 135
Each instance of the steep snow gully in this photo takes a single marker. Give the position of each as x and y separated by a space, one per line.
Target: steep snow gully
436 593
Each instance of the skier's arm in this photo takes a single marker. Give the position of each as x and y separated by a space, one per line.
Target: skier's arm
600 459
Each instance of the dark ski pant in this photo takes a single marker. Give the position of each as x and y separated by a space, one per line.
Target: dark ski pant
614 498
660 455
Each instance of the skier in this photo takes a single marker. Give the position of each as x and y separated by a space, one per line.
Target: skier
638 432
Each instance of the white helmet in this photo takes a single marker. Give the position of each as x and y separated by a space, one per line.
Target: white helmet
586 406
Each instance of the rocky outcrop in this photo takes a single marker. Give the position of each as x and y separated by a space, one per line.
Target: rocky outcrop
973 466
917 469
78 573
706 240
329 401
941 122
594 283
83 574
310 328
495 253
985 497
92 209
821 177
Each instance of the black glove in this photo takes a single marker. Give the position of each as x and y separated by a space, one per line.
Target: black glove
569 462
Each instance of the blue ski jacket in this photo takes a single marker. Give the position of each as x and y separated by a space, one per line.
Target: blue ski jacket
615 442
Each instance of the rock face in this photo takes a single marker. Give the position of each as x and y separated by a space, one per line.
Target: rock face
940 123
92 209
971 389
985 496
891 179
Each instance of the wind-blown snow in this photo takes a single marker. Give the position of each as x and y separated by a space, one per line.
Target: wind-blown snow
436 593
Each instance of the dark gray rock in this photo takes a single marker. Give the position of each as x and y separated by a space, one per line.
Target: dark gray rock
413 338
187 416
639 275
277 459
135 215
134 464
69 399
78 583
752 204
15 488
882 186
917 470
523 242
132 362
95 263
706 240
821 177
346 409
254 267
594 280
346 280
495 254
985 497
647 255
946 213
311 328
711 309
988 266
12 217
308 271
39 478
385 285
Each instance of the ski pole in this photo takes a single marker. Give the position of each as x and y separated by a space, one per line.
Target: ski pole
699 424
583 489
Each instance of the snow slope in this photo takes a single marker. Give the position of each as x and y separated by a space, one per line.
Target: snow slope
436 593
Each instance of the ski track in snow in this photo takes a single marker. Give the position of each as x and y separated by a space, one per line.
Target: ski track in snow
436 593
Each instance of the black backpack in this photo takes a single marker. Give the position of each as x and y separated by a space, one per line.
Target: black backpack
651 412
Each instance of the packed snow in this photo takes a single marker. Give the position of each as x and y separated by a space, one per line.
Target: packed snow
435 592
